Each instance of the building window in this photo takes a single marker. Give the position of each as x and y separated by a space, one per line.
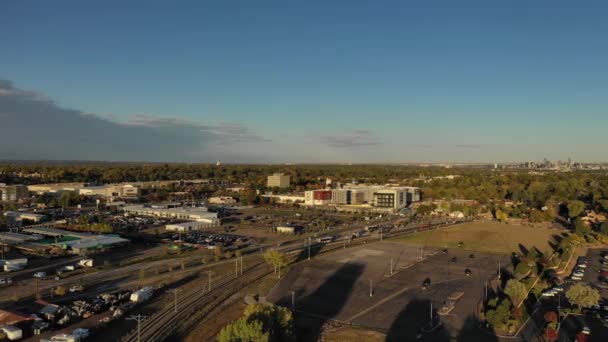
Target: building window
385 200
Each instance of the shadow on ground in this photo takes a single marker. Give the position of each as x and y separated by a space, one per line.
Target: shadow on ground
326 302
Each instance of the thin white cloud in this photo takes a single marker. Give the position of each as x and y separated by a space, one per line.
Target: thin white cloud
55 132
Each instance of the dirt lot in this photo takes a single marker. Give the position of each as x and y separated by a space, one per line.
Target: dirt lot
487 237
337 287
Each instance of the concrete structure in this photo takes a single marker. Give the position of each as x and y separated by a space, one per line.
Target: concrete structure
222 200
13 192
183 213
192 225
278 180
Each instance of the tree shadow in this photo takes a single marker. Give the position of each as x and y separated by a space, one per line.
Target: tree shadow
473 330
414 323
524 251
315 310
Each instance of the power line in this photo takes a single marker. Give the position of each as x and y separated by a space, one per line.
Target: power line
174 291
138 318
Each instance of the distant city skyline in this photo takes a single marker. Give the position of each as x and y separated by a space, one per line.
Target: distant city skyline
311 82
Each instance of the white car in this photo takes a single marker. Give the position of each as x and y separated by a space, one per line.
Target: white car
548 294
586 331
576 278
582 265
39 275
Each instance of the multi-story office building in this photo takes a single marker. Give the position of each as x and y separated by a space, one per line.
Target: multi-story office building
390 198
278 180
13 192
317 197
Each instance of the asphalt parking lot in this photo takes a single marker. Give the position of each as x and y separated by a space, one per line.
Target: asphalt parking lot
337 286
573 324
592 276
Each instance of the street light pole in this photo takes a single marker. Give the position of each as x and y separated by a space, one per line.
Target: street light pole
293 300
371 288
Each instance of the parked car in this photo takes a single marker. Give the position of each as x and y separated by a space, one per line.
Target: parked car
467 272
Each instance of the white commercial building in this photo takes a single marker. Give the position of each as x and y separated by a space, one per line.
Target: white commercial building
225 200
192 225
199 217
119 190
279 180
285 199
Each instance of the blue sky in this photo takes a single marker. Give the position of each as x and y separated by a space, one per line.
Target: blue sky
317 81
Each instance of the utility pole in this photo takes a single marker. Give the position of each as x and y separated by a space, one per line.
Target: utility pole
431 314
309 248
486 290
174 291
391 265
293 300
380 234
498 269
241 265
420 253
236 267
371 288
138 318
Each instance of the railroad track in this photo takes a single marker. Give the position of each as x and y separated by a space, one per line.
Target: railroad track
160 326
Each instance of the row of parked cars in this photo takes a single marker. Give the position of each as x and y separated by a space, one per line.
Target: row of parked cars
579 270
212 240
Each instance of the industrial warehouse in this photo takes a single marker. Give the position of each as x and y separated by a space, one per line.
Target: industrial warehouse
51 241
199 217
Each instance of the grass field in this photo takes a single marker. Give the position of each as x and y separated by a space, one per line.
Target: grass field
489 237
354 334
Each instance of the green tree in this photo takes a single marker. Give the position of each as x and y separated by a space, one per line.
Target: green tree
604 228
604 203
522 270
582 295
243 330
575 208
516 291
501 215
276 259
580 227
260 323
